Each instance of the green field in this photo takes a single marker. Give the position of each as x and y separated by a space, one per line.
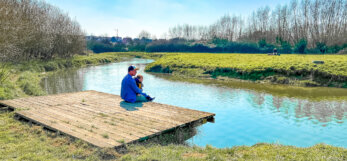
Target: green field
285 69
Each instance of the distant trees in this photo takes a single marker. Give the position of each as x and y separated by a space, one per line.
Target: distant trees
32 29
144 34
321 24
302 26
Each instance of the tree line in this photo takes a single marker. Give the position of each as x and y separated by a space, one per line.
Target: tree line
33 29
319 25
305 26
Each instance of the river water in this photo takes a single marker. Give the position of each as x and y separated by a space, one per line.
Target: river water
246 113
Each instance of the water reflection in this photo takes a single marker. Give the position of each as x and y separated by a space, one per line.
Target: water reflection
175 136
246 113
64 81
328 105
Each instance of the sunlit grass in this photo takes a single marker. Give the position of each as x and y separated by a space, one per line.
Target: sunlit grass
258 67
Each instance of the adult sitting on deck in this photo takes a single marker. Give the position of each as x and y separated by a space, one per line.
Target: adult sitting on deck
129 89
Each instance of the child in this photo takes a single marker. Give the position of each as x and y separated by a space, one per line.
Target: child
138 80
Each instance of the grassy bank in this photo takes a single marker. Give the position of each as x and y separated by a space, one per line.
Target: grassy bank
306 93
285 69
19 141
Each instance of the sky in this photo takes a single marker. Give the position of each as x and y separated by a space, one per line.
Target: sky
130 17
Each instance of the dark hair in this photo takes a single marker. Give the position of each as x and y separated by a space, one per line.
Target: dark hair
132 67
139 76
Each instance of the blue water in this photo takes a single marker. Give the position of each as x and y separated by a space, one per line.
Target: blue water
243 116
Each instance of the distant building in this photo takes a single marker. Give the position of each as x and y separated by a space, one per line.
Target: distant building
116 39
127 40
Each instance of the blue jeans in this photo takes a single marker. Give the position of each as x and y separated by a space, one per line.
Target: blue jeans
141 98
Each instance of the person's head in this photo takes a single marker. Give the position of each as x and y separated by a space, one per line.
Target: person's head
139 77
132 70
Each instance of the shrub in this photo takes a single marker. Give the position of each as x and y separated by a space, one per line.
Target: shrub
321 46
285 47
300 47
30 84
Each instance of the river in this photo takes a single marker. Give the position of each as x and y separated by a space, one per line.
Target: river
246 113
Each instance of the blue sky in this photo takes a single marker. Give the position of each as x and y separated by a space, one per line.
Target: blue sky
130 17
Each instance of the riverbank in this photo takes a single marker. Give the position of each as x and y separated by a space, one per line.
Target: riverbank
20 141
294 70
22 79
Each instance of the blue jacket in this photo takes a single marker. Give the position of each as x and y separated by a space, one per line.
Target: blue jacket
129 89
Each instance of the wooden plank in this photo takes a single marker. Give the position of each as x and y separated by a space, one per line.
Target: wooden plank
173 112
101 122
63 129
85 123
100 109
89 115
159 117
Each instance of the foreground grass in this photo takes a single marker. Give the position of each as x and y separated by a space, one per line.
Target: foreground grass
19 141
255 152
284 69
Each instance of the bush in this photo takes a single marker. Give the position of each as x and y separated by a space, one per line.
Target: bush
300 47
7 91
321 46
4 73
220 42
51 66
285 47
29 83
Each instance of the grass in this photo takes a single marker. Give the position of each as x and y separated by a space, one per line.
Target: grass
102 115
284 69
105 136
19 141
256 152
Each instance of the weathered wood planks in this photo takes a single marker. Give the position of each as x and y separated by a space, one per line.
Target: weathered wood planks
102 119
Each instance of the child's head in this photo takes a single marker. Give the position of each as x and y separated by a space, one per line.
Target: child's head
139 77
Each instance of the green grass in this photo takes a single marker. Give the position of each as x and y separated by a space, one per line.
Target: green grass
19 141
105 136
256 152
284 69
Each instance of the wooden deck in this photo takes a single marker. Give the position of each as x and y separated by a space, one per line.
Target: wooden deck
102 119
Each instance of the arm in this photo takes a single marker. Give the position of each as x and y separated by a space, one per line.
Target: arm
136 89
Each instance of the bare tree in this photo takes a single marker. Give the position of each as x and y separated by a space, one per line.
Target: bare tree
32 29
144 34
316 21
